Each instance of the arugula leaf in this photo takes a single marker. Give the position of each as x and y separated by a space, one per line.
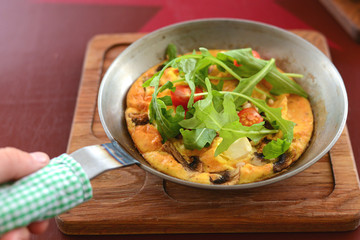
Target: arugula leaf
268 95
274 116
192 123
229 114
249 65
167 85
235 130
167 123
218 100
202 71
167 100
275 148
225 122
171 51
188 66
206 114
155 79
221 64
247 85
198 138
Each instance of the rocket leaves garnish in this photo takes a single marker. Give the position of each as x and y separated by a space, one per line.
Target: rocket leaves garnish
280 82
227 124
198 138
247 85
217 112
188 67
206 115
171 51
167 122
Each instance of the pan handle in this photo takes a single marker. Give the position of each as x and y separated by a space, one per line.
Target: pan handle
61 185
97 159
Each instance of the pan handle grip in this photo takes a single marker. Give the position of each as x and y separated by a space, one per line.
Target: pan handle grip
61 185
54 189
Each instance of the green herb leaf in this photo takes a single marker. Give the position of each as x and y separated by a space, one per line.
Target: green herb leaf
167 100
202 71
250 65
221 65
206 114
192 123
247 85
229 114
218 100
198 138
188 66
275 148
166 121
171 52
167 85
150 80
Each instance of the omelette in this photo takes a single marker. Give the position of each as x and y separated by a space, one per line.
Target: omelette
219 117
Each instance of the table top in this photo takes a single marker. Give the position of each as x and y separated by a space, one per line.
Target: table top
42 47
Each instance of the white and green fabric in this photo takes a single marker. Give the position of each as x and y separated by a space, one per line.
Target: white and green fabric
56 188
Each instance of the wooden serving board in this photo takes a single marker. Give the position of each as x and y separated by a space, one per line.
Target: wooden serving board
347 13
325 197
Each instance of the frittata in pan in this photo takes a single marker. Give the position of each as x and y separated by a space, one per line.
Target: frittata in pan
219 117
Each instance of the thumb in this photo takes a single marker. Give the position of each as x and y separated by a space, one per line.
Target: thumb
17 234
15 164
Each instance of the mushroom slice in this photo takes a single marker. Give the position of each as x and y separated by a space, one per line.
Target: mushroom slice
139 118
192 163
228 177
284 161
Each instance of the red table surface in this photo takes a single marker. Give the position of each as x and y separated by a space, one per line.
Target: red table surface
42 47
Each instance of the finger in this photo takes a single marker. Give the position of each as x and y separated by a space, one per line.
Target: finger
38 227
17 234
15 164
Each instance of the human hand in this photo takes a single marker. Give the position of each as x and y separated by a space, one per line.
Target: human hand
15 164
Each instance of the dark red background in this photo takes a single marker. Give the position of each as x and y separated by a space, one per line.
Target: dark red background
42 47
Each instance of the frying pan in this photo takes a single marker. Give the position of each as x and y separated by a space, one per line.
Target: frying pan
321 81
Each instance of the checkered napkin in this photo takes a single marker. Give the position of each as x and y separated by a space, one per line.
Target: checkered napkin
56 188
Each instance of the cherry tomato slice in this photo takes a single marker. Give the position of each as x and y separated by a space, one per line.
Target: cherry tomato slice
236 63
181 95
256 54
249 116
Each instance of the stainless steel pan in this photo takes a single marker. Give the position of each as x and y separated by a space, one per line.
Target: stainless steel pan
322 82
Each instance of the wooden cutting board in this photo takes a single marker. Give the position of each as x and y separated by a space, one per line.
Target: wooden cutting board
325 197
347 13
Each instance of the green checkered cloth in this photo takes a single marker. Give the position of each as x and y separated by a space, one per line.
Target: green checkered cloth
56 188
